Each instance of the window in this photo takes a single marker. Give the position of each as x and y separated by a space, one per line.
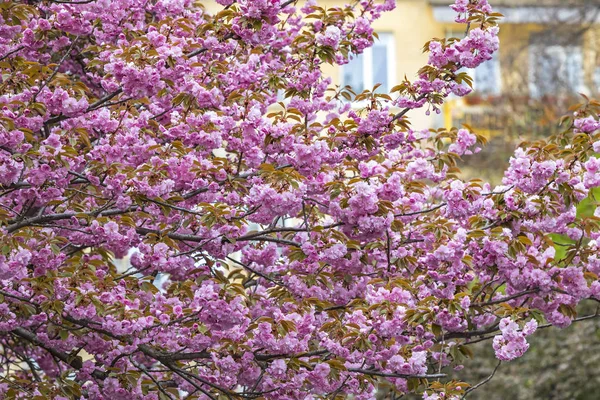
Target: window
555 69
596 79
375 65
487 79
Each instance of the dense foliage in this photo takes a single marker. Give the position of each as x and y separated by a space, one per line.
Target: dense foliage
288 239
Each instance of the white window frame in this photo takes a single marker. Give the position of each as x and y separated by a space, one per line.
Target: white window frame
565 53
386 38
497 78
596 78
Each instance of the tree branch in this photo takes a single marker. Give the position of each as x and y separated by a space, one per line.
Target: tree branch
75 362
483 382
393 375
505 299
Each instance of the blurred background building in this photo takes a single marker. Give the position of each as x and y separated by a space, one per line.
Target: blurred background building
549 53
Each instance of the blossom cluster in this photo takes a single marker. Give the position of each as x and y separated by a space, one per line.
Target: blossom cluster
511 343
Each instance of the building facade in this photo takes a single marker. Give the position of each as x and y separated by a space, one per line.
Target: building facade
549 49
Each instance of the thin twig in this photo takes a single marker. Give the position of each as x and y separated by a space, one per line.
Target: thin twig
421 212
12 52
505 299
394 375
483 382
62 60
407 109
255 272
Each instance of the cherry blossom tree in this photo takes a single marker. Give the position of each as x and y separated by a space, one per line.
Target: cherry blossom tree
287 238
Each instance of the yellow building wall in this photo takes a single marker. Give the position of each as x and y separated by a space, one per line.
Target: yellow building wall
412 24
592 59
514 57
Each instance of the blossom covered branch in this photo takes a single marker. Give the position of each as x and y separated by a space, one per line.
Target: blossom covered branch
284 238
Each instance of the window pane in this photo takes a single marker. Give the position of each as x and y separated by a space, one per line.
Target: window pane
574 69
487 77
555 69
596 79
380 66
353 74
548 77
